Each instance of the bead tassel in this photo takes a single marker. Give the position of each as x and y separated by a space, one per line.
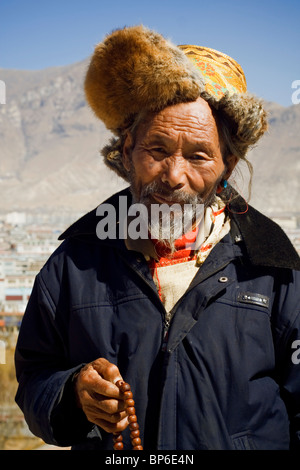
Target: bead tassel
133 424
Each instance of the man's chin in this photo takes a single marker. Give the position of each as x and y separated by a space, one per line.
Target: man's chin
167 235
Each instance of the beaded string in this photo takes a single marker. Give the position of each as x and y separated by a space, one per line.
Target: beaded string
133 424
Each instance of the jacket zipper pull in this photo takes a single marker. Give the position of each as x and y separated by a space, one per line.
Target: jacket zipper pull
165 335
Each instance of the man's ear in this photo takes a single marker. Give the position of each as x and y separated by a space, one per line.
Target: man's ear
127 148
231 162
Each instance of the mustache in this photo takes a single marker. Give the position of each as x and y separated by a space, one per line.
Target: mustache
175 195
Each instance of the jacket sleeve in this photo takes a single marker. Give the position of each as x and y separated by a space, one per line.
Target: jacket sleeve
45 392
287 347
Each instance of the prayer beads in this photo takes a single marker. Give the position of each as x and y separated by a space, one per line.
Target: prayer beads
132 418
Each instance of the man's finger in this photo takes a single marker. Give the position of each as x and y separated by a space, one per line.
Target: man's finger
100 377
111 427
107 370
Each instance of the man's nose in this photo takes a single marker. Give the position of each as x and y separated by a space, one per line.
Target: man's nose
174 172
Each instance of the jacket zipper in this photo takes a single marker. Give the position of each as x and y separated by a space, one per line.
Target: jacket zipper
167 316
167 322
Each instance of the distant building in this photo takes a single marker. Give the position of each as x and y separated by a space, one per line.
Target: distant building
10 323
15 218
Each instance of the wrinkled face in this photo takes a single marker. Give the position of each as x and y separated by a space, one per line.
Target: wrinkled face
176 156
179 148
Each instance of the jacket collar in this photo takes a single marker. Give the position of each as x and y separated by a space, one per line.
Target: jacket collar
86 225
265 242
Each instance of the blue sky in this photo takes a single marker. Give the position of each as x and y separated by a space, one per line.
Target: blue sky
263 36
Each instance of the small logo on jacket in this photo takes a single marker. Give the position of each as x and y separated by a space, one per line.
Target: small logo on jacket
255 299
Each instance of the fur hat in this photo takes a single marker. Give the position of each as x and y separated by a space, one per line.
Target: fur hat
135 69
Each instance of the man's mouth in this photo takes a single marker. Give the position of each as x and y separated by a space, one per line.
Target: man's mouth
163 199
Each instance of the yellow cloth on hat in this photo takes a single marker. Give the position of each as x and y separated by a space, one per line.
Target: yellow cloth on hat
221 73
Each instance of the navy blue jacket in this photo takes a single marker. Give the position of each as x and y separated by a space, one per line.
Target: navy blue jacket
229 375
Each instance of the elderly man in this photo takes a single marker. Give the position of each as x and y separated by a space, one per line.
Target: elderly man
201 324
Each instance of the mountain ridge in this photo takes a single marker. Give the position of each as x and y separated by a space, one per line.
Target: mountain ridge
50 142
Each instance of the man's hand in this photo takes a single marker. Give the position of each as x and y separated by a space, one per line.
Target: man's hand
99 397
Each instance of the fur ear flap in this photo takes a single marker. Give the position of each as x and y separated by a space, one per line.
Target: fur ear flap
247 113
112 154
136 68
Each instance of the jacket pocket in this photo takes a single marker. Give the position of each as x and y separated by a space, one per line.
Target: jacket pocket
243 441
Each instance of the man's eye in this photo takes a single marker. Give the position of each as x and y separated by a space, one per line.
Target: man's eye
159 152
197 157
